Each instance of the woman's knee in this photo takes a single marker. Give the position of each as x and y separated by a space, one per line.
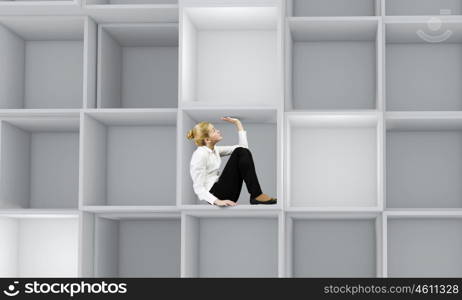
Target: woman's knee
242 150
243 155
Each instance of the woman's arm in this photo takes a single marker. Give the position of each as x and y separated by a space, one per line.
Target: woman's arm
239 125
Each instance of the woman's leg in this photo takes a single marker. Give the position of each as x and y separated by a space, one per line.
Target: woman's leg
240 167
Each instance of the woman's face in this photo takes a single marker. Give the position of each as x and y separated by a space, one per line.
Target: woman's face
214 135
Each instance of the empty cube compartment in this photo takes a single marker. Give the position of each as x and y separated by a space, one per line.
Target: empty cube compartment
423 66
332 160
424 162
424 247
43 62
138 66
136 245
39 163
230 246
230 55
129 158
315 8
423 7
331 64
38 246
333 247
261 127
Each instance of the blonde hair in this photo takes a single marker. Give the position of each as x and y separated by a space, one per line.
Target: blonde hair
199 133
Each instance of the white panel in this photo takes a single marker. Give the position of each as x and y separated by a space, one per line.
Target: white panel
54 169
12 50
333 8
333 166
226 18
94 161
331 29
48 248
90 63
34 28
106 247
138 65
9 235
237 67
62 87
188 54
15 166
109 71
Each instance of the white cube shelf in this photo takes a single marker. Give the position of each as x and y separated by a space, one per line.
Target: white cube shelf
138 65
248 241
31 45
261 125
132 245
333 245
333 160
423 7
416 56
331 63
230 56
424 161
38 245
129 158
337 8
424 246
353 113
39 163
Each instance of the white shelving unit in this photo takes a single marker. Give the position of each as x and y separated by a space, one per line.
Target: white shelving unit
352 111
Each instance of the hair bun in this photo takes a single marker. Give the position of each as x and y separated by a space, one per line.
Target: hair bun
190 134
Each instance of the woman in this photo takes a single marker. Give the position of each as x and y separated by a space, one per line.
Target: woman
224 189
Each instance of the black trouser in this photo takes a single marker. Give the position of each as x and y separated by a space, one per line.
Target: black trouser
240 167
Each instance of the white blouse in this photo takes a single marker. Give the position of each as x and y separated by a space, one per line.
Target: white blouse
205 166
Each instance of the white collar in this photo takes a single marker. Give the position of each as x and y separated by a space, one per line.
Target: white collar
210 150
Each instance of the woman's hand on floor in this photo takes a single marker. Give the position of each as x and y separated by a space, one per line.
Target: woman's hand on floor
224 203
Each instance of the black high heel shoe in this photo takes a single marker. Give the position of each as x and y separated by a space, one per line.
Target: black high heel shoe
255 201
